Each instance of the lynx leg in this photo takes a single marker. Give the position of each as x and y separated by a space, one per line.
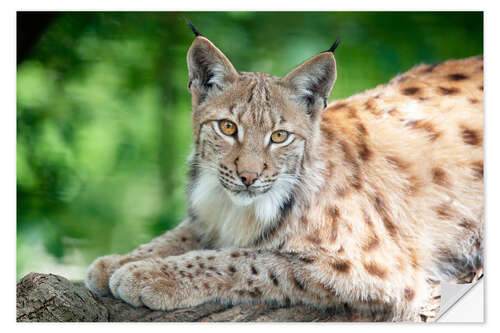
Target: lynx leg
174 242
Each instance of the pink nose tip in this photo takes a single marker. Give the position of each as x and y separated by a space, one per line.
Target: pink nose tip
249 177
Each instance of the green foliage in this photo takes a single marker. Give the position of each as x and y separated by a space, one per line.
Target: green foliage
103 113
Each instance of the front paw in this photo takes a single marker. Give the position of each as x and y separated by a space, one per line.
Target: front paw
99 272
146 283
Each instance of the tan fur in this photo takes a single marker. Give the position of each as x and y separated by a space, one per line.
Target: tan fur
376 196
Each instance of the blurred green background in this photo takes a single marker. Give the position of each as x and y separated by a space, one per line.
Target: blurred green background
103 112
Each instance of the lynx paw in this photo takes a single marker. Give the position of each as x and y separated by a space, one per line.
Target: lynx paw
147 283
97 277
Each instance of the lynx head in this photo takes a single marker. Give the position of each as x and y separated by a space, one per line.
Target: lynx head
253 132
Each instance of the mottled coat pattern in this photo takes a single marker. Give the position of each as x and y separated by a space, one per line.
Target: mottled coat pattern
366 202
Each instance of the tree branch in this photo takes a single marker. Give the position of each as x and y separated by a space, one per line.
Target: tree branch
52 298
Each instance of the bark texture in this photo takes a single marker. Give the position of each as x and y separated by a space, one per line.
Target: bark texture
52 298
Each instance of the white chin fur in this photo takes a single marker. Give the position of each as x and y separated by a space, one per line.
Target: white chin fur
240 199
238 219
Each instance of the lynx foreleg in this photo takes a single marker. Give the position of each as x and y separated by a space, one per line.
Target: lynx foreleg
174 242
232 276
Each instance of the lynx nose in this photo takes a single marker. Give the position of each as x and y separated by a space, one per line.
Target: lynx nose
248 177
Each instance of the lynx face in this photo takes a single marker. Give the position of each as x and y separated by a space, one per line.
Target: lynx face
252 146
252 130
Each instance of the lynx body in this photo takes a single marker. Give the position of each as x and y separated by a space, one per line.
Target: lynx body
364 202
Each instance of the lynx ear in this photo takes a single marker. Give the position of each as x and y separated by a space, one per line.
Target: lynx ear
312 82
209 70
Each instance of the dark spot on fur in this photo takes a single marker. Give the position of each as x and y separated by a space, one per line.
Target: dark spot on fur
362 129
211 258
299 284
364 151
341 266
254 270
375 270
457 77
189 265
429 68
426 126
414 185
473 100
202 265
477 168
390 226
410 91
341 191
379 204
471 137
338 106
250 282
273 278
334 214
397 162
466 223
481 88
448 91
371 243
183 239
235 255
394 112
439 177
381 208
371 106
314 237
255 293
307 260
232 269
443 211
409 294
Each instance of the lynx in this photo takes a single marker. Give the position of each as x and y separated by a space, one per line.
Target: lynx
367 201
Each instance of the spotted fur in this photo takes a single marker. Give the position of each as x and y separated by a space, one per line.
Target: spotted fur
367 201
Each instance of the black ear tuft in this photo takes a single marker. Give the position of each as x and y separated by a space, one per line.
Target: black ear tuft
193 28
334 46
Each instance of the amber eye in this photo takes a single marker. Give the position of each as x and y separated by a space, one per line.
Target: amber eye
279 136
227 127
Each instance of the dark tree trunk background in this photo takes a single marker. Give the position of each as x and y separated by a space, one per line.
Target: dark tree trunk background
52 298
30 27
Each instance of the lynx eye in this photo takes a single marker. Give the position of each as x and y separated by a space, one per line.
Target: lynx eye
279 136
227 127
